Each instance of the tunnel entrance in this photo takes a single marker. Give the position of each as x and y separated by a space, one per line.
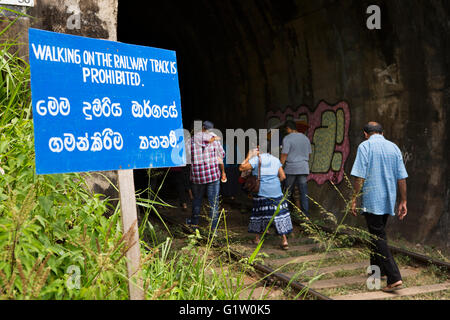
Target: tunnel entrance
174 26
209 39
212 70
255 64
237 60
225 53
246 65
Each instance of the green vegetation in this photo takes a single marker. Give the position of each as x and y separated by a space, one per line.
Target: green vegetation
56 241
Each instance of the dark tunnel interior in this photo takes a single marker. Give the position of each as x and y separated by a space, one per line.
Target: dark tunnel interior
237 60
195 34
209 38
201 38
223 49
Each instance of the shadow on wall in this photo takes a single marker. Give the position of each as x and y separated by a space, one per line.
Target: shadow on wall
327 128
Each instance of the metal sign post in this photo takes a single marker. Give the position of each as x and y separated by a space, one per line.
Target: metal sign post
100 105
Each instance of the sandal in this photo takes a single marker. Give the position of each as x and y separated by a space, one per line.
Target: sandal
284 246
393 287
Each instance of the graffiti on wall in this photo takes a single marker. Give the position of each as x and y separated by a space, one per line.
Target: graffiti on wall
327 129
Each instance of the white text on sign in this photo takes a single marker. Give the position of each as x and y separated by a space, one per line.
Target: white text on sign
99 141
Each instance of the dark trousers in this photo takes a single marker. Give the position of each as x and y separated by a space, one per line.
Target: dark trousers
299 180
182 185
231 187
380 254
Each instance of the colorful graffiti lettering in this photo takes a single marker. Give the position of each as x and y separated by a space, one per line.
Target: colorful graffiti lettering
327 129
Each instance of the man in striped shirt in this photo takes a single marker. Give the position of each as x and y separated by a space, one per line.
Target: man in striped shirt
379 171
205 151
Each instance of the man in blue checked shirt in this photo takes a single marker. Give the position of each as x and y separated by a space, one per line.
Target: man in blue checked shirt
379 171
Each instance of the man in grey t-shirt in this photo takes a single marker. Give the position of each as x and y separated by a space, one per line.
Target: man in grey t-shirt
295 157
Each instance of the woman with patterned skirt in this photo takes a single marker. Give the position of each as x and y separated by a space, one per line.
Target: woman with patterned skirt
268 201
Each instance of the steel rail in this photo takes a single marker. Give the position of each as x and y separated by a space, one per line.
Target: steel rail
283 278
267 271
420 257
261 268
414 255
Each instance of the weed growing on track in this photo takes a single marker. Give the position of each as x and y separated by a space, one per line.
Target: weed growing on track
339 240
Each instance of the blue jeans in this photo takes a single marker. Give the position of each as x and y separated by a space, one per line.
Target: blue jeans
212 192
301 181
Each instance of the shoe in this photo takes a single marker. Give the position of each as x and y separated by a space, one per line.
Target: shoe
190 224
393 287
284 246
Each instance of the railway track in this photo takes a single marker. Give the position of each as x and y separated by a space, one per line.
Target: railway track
342 271
266 271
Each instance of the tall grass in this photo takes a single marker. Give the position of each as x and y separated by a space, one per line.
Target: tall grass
56 242
340 237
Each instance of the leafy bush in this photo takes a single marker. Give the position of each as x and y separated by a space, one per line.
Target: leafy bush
47 223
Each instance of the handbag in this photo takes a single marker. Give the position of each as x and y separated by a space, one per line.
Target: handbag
252 183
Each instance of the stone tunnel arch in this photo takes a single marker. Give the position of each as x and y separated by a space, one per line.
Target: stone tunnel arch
244 64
